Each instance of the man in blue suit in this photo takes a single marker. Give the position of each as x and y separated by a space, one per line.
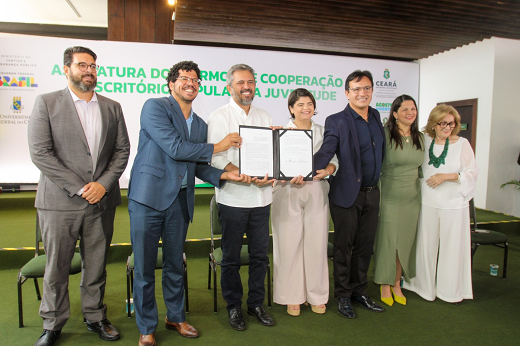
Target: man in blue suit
356 136
172 151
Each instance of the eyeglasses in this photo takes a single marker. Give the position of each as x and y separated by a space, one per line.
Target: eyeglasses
443 124
83 66
185 80
367 89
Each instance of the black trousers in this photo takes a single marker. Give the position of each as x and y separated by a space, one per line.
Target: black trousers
254 222
354 235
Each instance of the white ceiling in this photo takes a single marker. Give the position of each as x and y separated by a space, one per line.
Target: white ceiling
92 12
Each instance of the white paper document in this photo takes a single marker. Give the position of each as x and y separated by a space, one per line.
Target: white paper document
295 154
256 151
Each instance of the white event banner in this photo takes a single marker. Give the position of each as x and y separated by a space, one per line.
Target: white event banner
131 73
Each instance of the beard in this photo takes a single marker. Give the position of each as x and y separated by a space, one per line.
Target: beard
182 97
238 97
77 81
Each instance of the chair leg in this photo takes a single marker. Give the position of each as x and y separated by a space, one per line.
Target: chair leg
268 285
214 287
128 284
20 305
187 301
209 273
37 287
474 248
506 251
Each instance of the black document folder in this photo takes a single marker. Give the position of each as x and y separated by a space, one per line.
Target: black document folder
282 154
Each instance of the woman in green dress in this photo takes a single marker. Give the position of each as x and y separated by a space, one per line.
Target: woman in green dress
394 249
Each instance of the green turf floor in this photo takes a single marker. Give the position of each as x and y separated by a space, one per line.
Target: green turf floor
18 218
18 222
490 319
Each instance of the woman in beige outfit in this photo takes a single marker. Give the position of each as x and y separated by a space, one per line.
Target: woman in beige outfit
300 224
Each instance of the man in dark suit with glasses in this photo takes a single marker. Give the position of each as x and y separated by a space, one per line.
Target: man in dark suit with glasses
356 136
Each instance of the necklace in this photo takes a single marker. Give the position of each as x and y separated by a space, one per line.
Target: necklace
437 161
404 135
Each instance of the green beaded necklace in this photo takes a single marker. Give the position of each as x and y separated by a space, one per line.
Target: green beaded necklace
437 161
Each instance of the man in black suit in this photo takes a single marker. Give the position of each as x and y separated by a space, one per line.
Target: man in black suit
356 136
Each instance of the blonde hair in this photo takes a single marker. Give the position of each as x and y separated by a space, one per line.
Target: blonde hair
436 116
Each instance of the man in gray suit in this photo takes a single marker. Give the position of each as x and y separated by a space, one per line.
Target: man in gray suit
78 140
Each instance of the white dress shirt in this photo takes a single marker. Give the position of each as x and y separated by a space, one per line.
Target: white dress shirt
222 122
90 118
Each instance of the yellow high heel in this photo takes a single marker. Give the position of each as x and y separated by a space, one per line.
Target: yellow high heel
319 309
388 301
293 310
398 299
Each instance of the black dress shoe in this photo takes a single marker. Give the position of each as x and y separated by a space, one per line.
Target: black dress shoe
236 320
105 330
367 303
262 315
345 307
48 337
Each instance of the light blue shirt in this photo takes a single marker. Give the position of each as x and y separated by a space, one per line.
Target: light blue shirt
188 122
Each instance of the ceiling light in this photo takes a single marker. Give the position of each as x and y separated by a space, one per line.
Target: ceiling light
74 8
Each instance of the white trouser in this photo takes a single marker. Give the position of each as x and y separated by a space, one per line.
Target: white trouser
300 225
443 255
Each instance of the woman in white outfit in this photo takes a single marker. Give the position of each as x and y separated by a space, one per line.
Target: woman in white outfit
443 264
300 224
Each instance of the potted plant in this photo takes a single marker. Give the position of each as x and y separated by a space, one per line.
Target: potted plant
513 182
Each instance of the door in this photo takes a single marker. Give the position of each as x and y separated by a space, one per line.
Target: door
468 119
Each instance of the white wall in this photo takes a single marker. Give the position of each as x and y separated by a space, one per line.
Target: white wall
505 129
460 74
490 72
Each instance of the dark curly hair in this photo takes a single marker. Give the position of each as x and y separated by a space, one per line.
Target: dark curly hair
183 65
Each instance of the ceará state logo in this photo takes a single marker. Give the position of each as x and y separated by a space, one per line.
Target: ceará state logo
386 84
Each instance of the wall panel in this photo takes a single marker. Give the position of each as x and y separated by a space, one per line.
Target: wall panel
116 20
147 21
140 21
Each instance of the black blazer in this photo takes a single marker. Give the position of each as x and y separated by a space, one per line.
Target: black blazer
341 138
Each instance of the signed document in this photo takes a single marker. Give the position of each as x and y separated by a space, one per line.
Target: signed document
295 156
256 152
281 154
